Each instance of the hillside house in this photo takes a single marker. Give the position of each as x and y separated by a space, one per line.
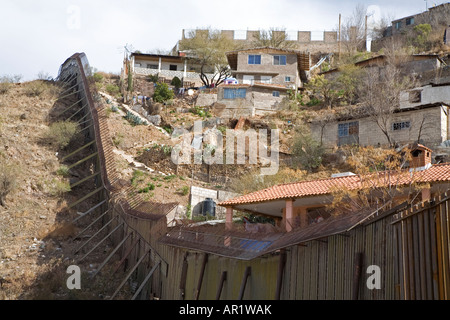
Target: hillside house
300 204
423 115
436 16
265 76
166 67
424 66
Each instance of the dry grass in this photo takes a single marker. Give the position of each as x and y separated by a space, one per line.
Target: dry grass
36 243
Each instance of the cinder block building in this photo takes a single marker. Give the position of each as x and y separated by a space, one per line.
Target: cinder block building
265 76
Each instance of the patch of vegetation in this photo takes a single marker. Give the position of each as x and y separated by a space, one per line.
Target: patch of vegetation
58 187
112 89
63 171
135 120
201 112
137 177
162 93
8 179
35 88
61 133
184 190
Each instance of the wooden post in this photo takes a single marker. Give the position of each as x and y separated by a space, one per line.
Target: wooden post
183 276
357 275
129 274
101 229
101 241
200 279
145 280
281 265
110 255
247 273
91 224
221 282
89 211
127 253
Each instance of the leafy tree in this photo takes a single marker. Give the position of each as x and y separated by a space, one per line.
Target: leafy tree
162 93
208 47
326 90
421 35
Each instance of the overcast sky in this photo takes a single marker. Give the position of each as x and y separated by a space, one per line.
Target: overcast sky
38 35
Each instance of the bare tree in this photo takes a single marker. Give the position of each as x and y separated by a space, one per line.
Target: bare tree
276 38
353 30
380 89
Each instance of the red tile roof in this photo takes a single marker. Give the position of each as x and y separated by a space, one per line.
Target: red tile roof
436 173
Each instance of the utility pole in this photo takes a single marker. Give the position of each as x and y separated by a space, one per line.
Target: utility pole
365 33
339 38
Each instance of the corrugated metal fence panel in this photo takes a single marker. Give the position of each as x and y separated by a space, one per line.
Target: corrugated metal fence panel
423 262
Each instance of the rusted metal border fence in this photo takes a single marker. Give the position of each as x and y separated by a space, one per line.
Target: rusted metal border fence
422 237
411 247
128 228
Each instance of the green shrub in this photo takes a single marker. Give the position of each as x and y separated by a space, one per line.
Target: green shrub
162 93
184 190
61 133
63 171
35 88
8 178
97 77
58 187
5 85
112 89
153 78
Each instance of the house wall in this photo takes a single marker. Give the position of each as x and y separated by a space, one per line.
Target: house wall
258 101
302 40
434 129
429 94
267 66
198 195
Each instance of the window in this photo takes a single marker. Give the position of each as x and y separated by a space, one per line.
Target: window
279 60
276 93
398 25
409 21
287 79
254 59
348 133
137 64
415 96
152 66
234 93
266 79
248 79
173 67
401 125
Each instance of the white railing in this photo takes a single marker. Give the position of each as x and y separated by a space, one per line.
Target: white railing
170 73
